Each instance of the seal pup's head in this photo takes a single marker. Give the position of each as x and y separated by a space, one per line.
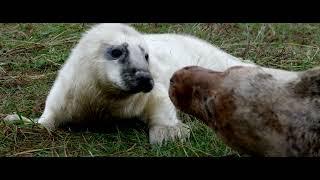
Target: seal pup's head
118 56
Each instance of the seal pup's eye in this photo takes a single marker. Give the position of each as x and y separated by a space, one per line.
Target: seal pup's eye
147 57
116 53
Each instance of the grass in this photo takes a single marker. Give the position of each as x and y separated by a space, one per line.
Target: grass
31 54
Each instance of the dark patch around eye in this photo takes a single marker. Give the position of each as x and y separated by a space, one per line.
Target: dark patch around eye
116 53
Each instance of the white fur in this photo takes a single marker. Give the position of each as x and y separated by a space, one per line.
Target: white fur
77 81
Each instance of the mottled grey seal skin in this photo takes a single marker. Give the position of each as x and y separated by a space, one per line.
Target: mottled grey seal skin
252 111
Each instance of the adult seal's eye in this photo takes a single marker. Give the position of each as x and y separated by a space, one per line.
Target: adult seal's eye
147 57
116 53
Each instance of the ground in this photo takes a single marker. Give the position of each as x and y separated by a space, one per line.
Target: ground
31 54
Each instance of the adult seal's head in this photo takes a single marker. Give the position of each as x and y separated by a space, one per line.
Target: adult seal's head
252 111
191 87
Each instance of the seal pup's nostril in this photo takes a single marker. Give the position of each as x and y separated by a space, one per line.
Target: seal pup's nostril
145 80
134 71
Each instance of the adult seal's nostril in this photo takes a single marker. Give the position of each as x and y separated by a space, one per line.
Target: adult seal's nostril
171 82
